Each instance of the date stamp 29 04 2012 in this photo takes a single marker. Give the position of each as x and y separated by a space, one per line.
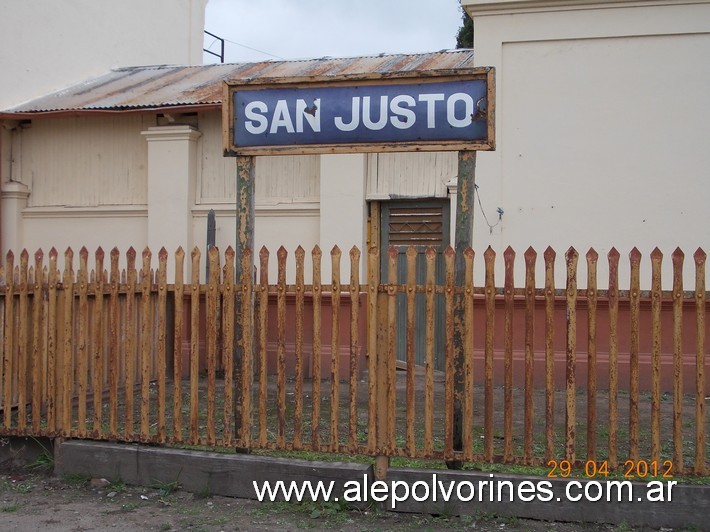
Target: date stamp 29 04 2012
630 469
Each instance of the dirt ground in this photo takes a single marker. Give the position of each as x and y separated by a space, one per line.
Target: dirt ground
32 501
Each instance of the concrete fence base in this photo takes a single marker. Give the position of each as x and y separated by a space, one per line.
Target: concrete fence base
468 492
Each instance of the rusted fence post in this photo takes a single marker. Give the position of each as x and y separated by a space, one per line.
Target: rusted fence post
245 240
463 239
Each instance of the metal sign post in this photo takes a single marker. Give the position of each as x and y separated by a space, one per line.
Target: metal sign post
245 241
463 238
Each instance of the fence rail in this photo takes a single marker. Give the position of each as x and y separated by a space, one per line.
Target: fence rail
121 354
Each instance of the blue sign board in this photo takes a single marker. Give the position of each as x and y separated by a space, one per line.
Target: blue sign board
330 117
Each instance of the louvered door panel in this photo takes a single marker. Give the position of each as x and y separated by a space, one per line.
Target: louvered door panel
421 223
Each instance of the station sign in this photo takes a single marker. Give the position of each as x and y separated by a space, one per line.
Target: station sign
436 110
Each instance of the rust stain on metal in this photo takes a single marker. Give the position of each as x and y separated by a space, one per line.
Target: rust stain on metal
300 255
635 303
250 331
38 340
316 256
449 257
194 346
411 405
177 348
161 343
52 341
131 275
430 261
509 261
391 363
530 259
263 327
8 339
489 258
656 260
354 343
165 87
335 256
592 259
281 255
22 344
228 303
549 257
613 295
373 280
700 258
678 257
469 256
212 331
571 355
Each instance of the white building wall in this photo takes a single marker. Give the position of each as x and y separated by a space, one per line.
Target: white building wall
121 228
410 175
343 216
79 181
275 226
47 45
82 161
602 128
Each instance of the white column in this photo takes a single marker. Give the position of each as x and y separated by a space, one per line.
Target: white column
343 216
172 176
14 200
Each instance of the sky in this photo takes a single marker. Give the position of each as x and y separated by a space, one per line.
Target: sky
258 30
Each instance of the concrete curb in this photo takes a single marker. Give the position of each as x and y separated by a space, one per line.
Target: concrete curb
230 475
690 504
233 475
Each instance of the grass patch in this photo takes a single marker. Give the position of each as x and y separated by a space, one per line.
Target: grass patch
44 461
166 488
76 480
118 486
328 514
315 456
203 493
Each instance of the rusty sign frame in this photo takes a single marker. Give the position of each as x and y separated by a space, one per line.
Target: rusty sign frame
486 74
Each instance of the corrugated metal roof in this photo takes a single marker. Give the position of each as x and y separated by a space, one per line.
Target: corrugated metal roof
159 87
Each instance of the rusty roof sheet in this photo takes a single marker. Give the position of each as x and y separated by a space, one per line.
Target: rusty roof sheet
160 87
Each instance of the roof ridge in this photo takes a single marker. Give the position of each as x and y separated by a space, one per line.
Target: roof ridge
297 60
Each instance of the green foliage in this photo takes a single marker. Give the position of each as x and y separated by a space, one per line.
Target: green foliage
118 486
325 508
76 480
203 492
44 461
464 37
166 488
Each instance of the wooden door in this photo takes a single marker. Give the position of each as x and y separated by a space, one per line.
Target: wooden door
420 223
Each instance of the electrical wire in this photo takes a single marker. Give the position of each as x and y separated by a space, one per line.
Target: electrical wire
254 49
483 212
